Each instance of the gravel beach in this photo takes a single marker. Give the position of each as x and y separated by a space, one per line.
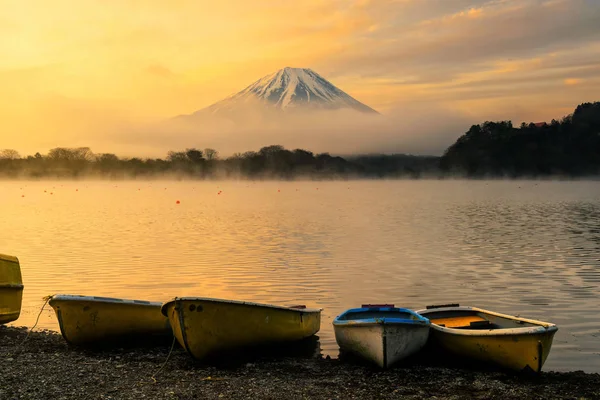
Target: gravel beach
45 367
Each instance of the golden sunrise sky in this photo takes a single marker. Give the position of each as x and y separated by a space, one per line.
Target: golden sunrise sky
72 70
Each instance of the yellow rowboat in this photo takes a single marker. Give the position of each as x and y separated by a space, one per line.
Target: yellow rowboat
11 289
510 342
97 320
205 326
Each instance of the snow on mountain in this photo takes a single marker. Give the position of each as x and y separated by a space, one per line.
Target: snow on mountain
289 89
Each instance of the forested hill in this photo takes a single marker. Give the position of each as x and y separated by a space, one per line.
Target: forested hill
569 147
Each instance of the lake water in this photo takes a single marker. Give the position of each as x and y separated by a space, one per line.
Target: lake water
527 248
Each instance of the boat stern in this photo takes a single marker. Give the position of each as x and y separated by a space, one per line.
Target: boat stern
381 334
11 289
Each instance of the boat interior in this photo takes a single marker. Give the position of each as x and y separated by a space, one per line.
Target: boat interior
473 319
375 313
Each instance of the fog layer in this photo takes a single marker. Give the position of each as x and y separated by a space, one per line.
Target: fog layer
413 130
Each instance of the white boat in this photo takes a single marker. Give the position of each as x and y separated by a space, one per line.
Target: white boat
382 334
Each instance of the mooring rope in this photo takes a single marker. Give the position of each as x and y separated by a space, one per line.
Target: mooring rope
46 300
153 377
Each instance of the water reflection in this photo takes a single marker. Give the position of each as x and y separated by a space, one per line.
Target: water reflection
531 251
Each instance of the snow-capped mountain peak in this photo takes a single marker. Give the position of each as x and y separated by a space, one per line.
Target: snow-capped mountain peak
291 89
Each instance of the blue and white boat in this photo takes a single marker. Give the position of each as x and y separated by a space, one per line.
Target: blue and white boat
382 333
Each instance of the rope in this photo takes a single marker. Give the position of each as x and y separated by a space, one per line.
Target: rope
37 320
47 299
153 377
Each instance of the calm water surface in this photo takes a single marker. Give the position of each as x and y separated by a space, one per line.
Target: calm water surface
527 248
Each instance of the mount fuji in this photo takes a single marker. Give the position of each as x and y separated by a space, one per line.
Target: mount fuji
287 91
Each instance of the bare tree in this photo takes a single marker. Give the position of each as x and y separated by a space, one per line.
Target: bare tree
85 154
66 154
211 154
177 156
9 154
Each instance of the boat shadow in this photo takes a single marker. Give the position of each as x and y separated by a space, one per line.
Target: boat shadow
132 343
434 357
302 349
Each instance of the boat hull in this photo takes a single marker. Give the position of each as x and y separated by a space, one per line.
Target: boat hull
97 320
522 347
11 289
205 327
515 352
382 344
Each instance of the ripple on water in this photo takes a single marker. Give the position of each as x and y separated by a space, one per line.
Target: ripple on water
531 251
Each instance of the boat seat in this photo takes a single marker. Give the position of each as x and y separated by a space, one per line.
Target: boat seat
481 325
466 321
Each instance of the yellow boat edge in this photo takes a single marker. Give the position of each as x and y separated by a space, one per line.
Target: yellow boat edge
11 288
239 302
101 299
6 257
542 326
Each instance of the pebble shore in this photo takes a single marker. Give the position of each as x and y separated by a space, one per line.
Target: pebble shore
45 367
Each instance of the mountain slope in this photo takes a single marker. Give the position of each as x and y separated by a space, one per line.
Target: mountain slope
289 89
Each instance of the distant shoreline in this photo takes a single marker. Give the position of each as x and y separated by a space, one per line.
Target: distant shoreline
167 178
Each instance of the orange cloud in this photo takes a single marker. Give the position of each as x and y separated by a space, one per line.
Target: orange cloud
154 59
474 12
572 81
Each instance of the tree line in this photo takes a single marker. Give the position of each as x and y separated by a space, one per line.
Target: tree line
269 162
569 147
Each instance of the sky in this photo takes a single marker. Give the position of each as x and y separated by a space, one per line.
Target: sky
89 72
